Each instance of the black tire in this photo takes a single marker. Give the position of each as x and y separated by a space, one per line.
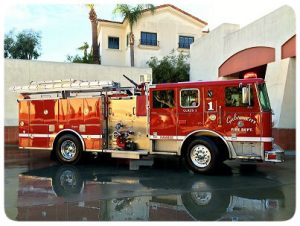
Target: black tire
68 149
207 163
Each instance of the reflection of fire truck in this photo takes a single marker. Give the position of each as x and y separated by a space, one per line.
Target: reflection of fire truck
107 192
205 122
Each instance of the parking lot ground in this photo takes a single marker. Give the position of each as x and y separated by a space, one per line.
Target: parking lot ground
38 188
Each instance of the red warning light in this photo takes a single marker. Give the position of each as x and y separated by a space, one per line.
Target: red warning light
250 75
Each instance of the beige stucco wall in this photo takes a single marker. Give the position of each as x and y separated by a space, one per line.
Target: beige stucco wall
21 72
209 52
272 30
112 57
280 80
166 22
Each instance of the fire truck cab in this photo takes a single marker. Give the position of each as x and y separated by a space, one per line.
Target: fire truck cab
204 122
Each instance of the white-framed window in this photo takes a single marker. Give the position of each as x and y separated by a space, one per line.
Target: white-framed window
189 98
149 38
185 41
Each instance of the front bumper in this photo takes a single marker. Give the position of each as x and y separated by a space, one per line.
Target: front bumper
275 155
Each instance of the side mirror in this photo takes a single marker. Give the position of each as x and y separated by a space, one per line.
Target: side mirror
246 95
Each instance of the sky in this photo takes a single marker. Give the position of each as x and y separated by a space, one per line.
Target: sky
65 26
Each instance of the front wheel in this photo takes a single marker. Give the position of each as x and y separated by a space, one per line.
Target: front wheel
202 156
68 149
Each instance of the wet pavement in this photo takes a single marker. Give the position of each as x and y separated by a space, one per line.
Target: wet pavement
39 189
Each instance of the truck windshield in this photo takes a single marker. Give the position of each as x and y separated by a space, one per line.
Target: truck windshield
263 97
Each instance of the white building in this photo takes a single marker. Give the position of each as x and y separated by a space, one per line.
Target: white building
267 47
155 34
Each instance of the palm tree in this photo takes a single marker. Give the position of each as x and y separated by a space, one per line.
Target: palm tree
84 48
132 15
95 47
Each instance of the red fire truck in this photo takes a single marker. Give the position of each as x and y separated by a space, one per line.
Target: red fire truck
204 122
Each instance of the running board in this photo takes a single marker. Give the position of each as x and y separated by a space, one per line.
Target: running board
126 154
163 153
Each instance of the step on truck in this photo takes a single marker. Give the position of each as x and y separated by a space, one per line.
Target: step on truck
203 122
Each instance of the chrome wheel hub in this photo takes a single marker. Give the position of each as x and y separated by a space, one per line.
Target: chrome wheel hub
201 198
200 156
68 149
68 179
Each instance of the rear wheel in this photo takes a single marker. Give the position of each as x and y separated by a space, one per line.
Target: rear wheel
68 149
202 156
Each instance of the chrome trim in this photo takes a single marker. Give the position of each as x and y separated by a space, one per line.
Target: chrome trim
40 98
276 150
36 135
138 152
35 148
166 137
70 130
189 106
230 151
23 135
248 157
163 153
250 139
93 150
92 136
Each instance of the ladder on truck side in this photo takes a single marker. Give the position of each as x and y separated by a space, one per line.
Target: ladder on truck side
71 87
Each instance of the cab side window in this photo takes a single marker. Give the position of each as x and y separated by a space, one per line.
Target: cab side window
163 99
189 98
233 97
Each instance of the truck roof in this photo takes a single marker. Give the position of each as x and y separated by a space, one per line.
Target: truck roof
207 83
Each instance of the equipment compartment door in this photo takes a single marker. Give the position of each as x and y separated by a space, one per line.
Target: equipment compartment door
23 123
43 119
121 111
94 121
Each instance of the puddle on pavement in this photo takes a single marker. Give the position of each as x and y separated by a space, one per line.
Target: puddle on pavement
109 191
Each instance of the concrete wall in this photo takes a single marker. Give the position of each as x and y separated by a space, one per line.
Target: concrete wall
21 72
280 79
272 30
207 53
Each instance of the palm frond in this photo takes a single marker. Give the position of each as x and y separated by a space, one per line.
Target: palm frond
84 46
90 6
121 9
132 14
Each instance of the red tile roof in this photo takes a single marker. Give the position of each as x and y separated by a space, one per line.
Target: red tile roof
159 7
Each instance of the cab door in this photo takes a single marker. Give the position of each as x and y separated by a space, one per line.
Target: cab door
241 120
